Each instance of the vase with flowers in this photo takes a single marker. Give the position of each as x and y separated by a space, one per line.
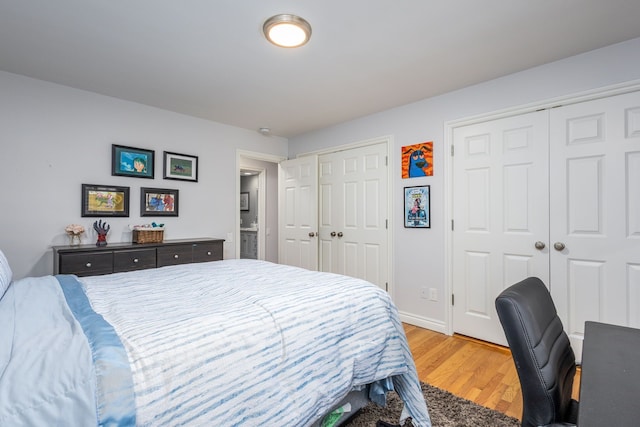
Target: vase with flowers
74 231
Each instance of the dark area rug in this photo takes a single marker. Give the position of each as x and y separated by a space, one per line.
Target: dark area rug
445 409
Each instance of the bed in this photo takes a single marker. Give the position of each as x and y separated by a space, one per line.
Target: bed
233 343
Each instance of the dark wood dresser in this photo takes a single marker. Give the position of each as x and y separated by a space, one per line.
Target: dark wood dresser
92 260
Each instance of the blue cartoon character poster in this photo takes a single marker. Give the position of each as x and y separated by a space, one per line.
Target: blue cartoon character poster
416 207
417 160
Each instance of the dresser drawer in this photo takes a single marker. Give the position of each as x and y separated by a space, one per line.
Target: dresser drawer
135 259
86 263
203 252
174 255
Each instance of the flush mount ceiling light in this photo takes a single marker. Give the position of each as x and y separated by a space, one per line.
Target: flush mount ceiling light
287 30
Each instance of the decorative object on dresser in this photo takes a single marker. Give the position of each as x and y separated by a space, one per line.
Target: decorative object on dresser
182 167
148 233
130 161
102 228
89 260
74 231
158 202
105 200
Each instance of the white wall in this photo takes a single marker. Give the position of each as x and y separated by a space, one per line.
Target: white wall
418 255
54 138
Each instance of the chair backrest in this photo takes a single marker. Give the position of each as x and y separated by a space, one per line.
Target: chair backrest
541 351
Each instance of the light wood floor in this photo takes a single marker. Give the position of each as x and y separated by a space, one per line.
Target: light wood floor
469 368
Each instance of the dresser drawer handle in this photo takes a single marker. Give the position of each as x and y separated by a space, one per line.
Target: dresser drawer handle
88 265
209 253
135 260
176 256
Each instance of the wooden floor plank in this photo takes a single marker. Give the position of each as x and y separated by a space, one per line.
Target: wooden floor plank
475 370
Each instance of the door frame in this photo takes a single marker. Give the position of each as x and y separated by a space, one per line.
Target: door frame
449 127
388 140
254 155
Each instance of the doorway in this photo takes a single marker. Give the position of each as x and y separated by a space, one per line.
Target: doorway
261 217
252 215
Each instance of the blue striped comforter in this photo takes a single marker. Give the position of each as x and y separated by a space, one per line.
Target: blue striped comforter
250 343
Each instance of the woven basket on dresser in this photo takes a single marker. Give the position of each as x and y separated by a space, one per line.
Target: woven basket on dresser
148 236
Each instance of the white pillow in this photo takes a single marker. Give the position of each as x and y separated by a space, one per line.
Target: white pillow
5 274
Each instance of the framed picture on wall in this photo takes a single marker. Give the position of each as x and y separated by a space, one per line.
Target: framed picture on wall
104 200
158 202
244 201
417 201
130 161
417 160
182 167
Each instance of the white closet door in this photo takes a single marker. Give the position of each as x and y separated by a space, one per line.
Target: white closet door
353 213
500 211
298 212
595 213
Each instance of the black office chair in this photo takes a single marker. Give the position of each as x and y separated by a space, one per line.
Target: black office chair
542 354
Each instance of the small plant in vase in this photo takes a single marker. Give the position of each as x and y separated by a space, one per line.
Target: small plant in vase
74 231
102 228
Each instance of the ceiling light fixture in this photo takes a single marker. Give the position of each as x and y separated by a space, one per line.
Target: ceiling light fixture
286 30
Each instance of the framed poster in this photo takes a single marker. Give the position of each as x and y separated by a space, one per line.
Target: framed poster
104 200
417 201
130 161
182 167
158 202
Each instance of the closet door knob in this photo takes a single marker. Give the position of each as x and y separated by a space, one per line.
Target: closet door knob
312 234
540 245
558 246
340 234
333 234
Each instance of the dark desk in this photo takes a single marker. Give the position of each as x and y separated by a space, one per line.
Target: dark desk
610 381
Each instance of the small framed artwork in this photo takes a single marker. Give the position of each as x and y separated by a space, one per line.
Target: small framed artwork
244 201
417 201
158 202
130 161
180 166
417 160
104 200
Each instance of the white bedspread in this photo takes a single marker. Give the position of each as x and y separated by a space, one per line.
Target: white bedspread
250 343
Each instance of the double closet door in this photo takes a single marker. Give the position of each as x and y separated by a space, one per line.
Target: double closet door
334 212
553 194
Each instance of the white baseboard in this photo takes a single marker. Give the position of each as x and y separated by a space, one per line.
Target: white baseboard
423 322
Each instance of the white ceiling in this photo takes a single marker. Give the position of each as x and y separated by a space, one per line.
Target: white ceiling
208 58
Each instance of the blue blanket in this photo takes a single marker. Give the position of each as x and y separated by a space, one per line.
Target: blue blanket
60 362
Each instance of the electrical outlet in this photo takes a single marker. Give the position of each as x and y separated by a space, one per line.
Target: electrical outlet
433 294
424 293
